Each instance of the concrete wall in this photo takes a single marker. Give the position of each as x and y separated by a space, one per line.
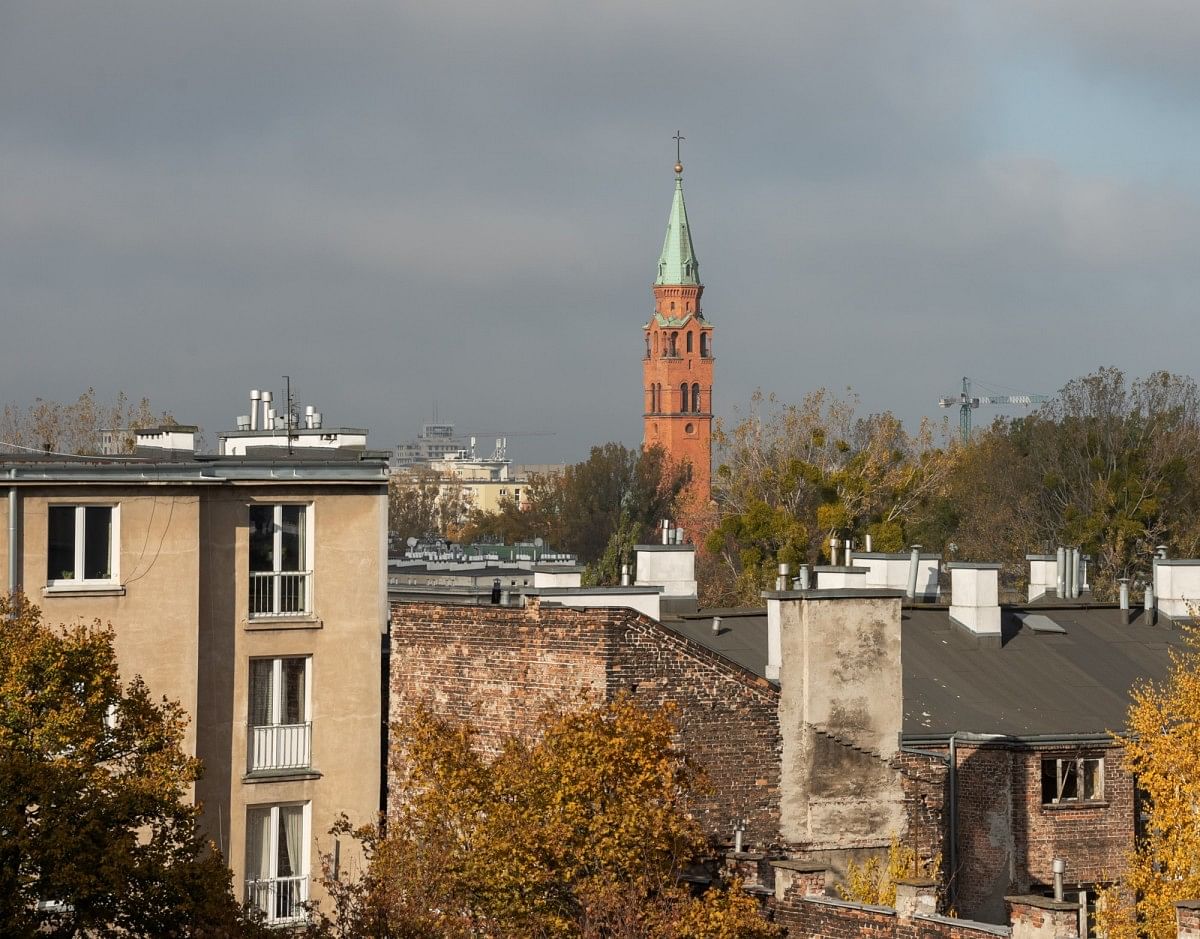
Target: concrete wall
840 716
672 567
180 619
1177 587
890 571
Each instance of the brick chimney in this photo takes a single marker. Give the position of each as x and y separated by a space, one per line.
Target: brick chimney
1034 917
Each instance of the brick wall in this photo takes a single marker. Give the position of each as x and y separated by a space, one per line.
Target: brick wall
1007 838
500 667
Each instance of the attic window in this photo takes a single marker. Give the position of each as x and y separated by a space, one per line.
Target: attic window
1072 780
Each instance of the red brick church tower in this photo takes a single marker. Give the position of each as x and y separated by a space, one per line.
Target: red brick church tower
678 366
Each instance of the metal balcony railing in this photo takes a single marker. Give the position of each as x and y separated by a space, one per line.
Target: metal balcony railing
280 746
279 593
280 899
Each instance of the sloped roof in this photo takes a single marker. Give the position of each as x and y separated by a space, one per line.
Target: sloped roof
677 264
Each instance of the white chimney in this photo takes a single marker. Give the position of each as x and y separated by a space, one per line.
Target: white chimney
254 399
1177 586
975 597
830 577
1043 574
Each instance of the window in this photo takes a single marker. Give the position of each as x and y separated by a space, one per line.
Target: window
689 341
280 732
704 345
696 398
80 544
683 398
277 861
279 574
1072 779
653 400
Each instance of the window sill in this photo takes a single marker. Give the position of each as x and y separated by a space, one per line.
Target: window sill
279 775
85 590
284 622
1076 805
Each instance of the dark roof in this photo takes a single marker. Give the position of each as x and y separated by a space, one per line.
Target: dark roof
1068 670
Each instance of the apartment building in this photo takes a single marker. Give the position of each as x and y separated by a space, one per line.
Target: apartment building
253 590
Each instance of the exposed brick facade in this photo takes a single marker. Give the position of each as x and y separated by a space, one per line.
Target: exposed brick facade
1007 838
500 667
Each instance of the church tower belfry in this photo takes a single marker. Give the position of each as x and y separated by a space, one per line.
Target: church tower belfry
677 368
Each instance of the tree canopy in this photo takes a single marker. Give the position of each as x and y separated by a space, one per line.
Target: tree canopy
580 832
75 427
1162 751
93 825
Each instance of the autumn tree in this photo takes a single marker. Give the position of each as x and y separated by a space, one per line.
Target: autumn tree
76 427
580 832
92 787
1162 750
423 502
790 476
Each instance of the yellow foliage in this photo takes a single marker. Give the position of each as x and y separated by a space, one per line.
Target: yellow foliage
580 833
873 884
1163 750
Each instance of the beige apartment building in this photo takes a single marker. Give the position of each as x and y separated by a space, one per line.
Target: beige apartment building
253 590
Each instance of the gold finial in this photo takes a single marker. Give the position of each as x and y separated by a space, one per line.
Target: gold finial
678 138
678 169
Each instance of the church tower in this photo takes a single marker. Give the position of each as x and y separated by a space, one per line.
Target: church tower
678 366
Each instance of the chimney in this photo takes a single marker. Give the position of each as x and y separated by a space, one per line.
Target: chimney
172 439
1036 917
1060 572
1176 584
975 597
254 406
915 896
830 577
1043 574
668 565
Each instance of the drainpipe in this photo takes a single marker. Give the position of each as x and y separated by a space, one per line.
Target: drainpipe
14 539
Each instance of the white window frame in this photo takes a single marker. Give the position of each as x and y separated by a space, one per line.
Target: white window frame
308 562
276 708
1078 761
273 866
114 546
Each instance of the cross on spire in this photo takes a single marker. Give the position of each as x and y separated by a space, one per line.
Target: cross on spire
678 138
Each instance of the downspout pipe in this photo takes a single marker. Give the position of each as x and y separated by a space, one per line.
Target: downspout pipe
14 539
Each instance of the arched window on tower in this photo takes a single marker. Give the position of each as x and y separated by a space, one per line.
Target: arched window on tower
704 345
656 343
674 344
683 399
696 398
659 404
689 341
647 345
653 400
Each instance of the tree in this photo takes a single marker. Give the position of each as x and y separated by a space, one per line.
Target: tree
92 782
792 476
76 427
581 832
423 503
874 884
1162 750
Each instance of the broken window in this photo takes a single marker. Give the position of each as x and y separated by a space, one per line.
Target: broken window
1072 779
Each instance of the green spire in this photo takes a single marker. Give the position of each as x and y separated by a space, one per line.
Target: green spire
677 264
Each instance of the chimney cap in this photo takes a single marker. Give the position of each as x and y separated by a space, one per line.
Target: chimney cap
973 566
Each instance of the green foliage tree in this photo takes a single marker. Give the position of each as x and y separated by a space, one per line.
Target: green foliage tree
92 784
424 503
76 427
581 832
596 509
792 476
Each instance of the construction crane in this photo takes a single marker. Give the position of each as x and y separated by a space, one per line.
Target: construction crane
967 403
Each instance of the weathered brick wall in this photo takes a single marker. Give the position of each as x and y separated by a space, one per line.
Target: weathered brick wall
925 781
1093 839
804 917
500 667
1007 838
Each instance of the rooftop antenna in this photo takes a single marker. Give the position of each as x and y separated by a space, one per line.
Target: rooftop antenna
288 412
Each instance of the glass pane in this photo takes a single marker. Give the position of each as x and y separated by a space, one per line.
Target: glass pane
262 671
1091 780
97 542
60 547
1049 781
293 691
292 542
258 843
291 842
262 537
1068 781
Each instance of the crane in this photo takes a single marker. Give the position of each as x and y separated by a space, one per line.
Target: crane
966 404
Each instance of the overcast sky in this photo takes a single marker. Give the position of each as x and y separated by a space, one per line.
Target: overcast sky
462 203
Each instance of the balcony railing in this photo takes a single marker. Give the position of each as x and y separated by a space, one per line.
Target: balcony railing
280 746
280 593
280 899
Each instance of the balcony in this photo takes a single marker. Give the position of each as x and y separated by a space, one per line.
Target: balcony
279 593
280 899
280 747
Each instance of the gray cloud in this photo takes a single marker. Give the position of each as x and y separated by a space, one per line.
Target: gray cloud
403 203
